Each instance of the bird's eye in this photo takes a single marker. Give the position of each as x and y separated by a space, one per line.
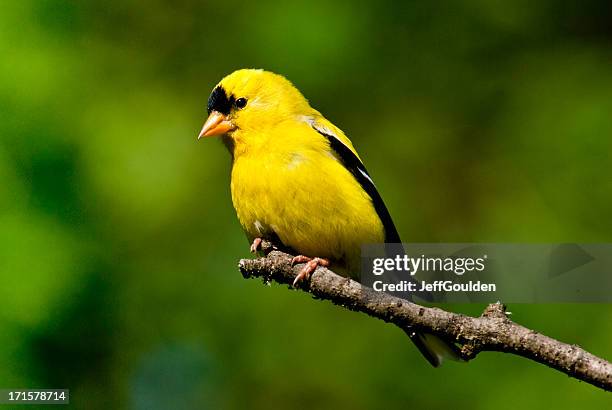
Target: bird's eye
241 102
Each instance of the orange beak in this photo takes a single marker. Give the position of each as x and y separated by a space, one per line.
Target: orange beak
216 124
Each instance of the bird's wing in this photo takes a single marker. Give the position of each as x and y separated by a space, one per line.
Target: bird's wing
432 347
345 152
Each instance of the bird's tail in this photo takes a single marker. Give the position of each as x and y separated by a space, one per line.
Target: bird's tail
434 348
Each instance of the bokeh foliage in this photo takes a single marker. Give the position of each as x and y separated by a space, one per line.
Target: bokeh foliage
479 120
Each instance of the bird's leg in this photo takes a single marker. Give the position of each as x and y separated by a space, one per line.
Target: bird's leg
309 268
256 245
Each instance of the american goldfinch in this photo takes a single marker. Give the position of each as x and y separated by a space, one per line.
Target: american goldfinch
297 180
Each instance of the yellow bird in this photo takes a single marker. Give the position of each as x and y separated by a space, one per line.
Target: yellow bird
297 180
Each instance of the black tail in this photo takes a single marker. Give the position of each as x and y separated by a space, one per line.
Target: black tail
433 348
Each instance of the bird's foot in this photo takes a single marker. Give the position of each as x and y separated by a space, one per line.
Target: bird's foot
311 265
256 245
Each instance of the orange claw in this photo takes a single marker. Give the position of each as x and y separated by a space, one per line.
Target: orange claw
311 265
255 245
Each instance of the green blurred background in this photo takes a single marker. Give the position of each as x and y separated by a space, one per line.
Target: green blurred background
479 120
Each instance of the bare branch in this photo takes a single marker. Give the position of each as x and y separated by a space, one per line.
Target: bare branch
492 331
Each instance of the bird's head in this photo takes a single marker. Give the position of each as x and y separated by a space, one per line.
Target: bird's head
252 100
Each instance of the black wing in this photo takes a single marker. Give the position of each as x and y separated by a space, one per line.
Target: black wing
356 167
352 163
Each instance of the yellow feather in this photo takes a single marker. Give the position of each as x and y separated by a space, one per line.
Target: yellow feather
303 194
285 179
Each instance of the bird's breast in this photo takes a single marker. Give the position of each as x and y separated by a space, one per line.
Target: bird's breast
308 200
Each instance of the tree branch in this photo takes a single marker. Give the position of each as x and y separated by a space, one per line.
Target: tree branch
492 331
